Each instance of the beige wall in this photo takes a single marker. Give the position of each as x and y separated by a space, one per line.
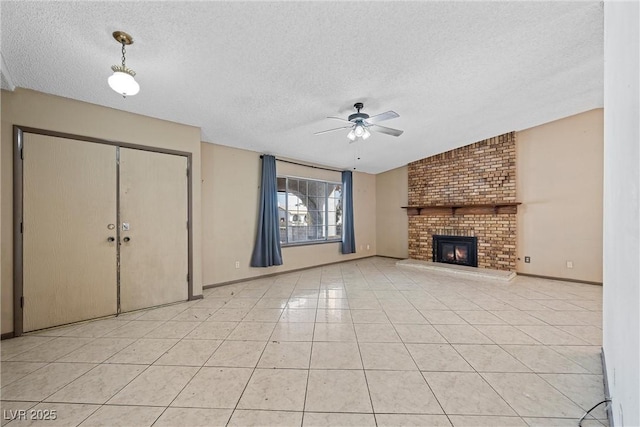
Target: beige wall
230 186
560 175
559 182
391 220
37 110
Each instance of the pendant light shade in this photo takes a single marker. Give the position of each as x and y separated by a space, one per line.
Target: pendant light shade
122 80
124 83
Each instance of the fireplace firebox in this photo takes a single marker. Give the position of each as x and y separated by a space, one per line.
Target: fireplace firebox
461 250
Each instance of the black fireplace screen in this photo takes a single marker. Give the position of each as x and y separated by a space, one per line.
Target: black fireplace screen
460 250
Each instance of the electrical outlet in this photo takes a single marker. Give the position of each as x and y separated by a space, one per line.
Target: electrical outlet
569 264
527 259
237 264
368 247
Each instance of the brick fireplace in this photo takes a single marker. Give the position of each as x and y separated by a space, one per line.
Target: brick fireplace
469 191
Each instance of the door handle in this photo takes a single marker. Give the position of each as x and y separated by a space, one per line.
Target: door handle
111 239
127 239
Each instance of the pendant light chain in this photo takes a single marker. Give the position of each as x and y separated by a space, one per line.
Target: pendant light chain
123 53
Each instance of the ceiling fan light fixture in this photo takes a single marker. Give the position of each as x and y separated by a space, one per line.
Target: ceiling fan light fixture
359 124
122 80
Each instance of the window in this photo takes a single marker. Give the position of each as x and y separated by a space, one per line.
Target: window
309 211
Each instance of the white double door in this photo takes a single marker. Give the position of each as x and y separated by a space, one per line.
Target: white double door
104 230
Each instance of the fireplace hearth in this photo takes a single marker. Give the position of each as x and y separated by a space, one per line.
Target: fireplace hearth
460 250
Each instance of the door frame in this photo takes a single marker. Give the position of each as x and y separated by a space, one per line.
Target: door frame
18 174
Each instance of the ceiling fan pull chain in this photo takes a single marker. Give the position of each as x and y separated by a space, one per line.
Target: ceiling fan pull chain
123 54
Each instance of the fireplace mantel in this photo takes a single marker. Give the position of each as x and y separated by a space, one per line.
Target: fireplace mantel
461 209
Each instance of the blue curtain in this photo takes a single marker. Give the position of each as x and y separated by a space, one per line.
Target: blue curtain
267 250
348 234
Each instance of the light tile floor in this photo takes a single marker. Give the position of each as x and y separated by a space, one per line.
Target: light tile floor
361 343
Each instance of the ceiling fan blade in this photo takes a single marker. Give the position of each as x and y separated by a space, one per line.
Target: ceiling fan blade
333 130
382 116
388 131
339 118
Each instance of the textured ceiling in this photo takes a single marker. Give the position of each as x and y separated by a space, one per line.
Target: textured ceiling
264 75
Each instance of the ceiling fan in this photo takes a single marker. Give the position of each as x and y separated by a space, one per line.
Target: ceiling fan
361 123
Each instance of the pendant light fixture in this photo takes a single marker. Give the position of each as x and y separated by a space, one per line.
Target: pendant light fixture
122 80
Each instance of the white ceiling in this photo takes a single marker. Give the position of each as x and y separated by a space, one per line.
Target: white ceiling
264 75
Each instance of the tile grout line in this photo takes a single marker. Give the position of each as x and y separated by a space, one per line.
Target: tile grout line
364 372
95 367
253 369
306 388
418 367
167 351
233 411
152 364
463 358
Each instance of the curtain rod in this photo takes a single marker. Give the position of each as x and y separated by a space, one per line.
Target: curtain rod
309 166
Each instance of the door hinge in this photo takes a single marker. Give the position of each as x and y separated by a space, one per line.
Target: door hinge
187 171
21 153
187 277
21 228
21 302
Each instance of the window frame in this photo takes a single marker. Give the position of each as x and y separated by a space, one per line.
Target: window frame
325 226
